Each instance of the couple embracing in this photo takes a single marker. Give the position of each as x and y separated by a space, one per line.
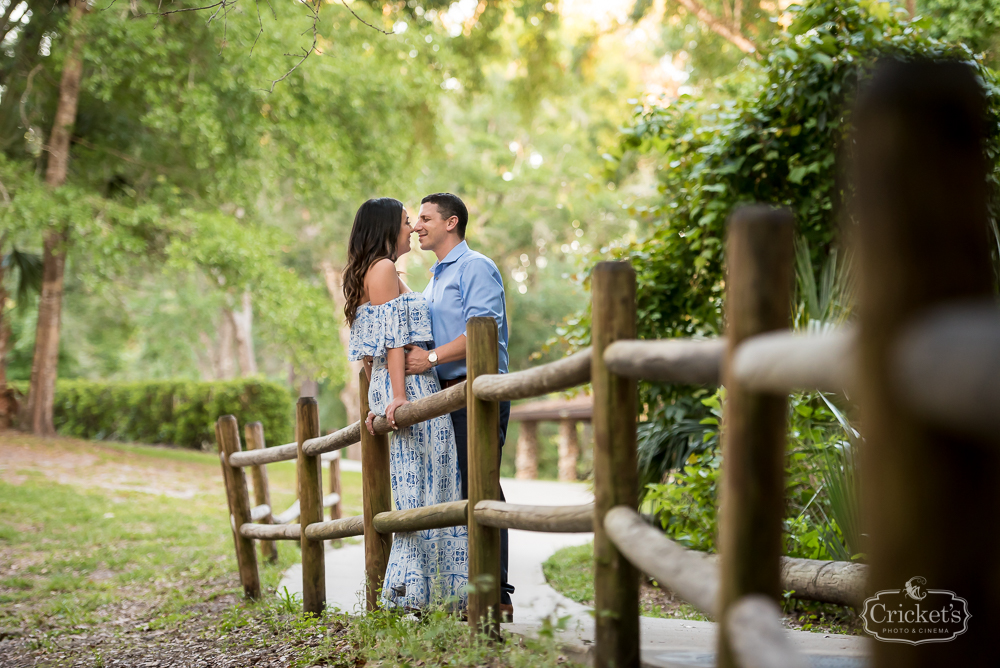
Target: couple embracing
412 345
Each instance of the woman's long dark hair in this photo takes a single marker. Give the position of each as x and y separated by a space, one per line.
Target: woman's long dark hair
373 238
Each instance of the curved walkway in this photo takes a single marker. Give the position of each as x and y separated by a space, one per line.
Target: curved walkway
534 599
666 643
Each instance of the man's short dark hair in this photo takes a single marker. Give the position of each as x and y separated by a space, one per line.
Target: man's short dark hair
450 205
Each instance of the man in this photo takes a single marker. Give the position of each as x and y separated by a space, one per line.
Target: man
464 284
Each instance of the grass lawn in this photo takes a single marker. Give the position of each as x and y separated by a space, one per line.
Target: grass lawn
121 555
570 571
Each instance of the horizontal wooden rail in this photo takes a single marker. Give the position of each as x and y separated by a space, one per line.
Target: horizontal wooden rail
439 403
781 362
550 519
279 453
271 531
293 511
694 576
438 516
757 637
562 374
668 360
338 440
257 513
946 368
334 529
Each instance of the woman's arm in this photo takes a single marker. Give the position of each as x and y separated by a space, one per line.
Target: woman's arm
382 283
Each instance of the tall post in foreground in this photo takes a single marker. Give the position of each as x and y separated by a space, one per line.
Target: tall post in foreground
616 581
310 476
923 241
482 357
376 495
760 274
228 433
254 432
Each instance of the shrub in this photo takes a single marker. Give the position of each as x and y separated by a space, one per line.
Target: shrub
174 412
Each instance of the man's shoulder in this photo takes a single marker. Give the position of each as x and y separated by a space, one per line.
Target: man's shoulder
476 259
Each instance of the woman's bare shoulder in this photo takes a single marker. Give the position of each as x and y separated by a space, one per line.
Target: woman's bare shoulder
382 282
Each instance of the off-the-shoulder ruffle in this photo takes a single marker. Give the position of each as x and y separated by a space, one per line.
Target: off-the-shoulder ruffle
394 324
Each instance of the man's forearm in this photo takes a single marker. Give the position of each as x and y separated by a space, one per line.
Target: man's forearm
453 351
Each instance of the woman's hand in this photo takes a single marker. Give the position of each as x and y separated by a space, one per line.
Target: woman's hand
370 423
390 410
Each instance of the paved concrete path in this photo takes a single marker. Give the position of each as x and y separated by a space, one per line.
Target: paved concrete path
534 599
665 643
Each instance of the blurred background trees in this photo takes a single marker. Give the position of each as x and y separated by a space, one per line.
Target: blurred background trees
213 172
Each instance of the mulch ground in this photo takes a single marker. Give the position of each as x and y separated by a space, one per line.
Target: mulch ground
127 642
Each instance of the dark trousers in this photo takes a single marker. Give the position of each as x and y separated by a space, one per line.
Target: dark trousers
461 421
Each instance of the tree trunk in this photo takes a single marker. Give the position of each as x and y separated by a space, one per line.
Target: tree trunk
569 450
242 322
41 396
526 459
4 334
225 369
349 395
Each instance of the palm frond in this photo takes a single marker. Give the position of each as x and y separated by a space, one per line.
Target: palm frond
28 267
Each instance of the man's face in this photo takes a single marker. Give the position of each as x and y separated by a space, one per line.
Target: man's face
431 228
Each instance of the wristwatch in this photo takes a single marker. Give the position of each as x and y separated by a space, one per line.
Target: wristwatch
433 358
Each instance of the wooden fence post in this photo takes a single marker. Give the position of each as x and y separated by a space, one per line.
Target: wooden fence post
254 432
310 475
760 274
376 494
923 241
482 357
616 581
228 433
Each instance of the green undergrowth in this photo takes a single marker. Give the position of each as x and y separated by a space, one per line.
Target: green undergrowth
384 638
570 571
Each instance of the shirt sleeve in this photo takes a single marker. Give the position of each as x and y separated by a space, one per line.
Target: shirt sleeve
482 291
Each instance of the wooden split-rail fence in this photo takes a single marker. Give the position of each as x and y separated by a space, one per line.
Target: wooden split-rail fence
922 362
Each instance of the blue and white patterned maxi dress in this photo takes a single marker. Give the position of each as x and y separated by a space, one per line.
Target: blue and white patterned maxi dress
429 566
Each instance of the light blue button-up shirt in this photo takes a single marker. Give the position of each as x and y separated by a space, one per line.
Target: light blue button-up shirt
465 284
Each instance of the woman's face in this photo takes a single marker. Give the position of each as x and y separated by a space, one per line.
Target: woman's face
405 230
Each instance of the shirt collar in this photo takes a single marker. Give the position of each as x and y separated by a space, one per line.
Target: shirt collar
453 255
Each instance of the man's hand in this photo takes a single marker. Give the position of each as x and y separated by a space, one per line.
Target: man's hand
416 360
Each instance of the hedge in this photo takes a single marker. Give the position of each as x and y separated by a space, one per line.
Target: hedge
175 412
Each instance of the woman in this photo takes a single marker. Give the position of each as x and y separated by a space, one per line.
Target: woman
385 315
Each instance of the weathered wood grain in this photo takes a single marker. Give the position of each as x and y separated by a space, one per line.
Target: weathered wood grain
554 519
239 504
254 433
482 358
669 360
616 581
783 362
335 529
310 474
269 532
376 495
438 516
760 274
540 380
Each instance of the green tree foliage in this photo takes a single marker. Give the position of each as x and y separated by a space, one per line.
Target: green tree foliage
779 146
